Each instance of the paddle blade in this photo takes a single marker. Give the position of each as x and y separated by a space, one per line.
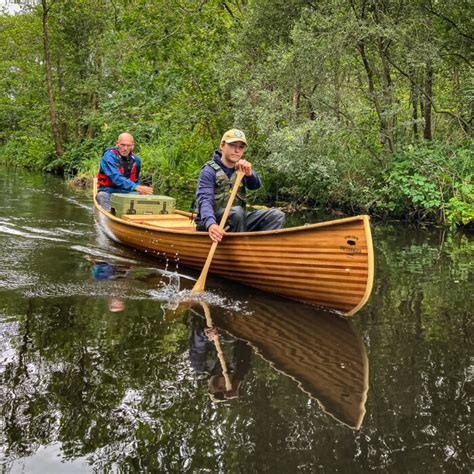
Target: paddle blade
200 284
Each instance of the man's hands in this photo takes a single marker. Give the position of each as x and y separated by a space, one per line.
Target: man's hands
245 166
215 232
144 189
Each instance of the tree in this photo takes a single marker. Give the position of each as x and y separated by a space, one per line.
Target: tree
49 81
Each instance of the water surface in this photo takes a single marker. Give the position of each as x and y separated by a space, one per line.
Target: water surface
107 366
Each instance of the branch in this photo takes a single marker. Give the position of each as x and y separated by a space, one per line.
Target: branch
464 124
231 13
451 22
329 106
158 41
197 9
459 56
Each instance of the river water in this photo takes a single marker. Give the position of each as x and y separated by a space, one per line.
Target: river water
106 366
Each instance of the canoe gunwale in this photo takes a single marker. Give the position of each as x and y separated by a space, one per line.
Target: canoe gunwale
232 235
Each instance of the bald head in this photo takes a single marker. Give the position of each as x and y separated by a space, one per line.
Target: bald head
125 136
125 144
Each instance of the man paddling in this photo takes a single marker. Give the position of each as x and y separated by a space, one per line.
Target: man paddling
214 184
119 171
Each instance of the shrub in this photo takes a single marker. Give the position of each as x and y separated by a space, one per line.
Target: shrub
421 181
34 153
460 208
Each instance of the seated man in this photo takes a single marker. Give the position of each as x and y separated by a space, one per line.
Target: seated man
119 171
214 184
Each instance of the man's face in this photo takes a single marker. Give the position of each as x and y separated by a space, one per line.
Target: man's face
125 145
232 152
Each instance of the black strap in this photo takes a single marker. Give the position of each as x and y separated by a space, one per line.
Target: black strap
127 164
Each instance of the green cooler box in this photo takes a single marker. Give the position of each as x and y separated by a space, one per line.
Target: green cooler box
121 204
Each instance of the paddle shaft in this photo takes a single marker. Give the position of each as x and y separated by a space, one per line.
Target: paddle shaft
201 282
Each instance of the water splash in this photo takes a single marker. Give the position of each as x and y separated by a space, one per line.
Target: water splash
173 297
57 231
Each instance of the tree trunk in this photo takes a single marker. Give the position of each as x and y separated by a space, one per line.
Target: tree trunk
427 132
49 83
62 124
296 98
414 104
385 132
337 93
94 103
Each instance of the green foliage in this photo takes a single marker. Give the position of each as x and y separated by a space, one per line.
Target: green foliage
34 153
460 208
304 159
421 180
173 167
336 99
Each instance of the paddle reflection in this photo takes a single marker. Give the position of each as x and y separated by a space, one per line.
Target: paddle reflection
322 352
225 367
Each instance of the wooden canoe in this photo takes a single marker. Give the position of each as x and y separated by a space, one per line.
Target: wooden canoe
324 355
328 264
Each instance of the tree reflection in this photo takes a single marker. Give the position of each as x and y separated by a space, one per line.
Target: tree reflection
124 394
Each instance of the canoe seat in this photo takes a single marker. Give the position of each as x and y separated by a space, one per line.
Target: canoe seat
168 221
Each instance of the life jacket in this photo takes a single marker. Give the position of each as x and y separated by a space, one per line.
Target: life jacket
126 167
224 187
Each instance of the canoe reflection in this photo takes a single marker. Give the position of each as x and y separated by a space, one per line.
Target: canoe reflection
321 352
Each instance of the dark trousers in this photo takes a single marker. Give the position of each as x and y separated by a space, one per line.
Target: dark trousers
103 199
241 221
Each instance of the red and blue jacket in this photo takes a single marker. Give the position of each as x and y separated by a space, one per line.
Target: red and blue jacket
118 174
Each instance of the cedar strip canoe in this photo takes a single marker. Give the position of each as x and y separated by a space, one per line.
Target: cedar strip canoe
324 355
328 264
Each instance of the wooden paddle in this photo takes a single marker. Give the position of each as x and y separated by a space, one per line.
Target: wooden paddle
201 282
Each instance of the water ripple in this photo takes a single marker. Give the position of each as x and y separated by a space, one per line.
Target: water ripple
102 254
5 229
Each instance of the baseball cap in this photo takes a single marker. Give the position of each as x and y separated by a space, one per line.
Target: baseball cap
234 135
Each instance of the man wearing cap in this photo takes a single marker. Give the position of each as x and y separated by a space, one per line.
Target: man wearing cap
215 181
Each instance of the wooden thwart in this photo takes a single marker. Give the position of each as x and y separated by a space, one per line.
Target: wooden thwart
168 221
154 217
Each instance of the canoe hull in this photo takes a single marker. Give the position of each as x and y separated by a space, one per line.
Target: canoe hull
327 264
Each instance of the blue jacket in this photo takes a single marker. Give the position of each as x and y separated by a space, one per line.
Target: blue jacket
109 165
206 188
